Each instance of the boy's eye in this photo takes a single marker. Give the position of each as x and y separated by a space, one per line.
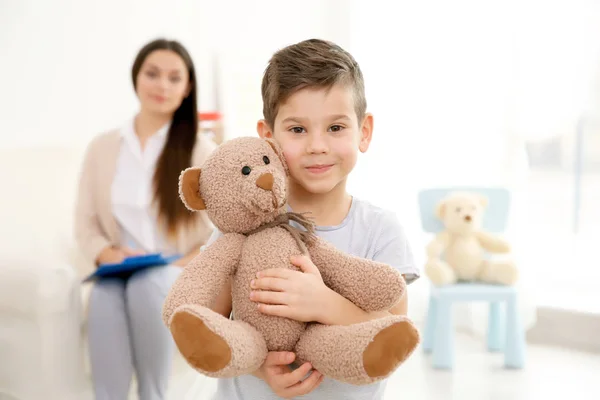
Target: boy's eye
297 129
336 128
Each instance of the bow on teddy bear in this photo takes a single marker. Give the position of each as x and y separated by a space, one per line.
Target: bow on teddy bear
459 252
242 187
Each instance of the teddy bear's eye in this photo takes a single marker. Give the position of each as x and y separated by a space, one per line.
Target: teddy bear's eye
246 170
266 159
457 209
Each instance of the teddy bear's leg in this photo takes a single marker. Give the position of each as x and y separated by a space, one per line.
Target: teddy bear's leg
215 345
502 272
361 353
370 285
440 272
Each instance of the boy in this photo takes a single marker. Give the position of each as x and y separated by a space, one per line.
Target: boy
314 106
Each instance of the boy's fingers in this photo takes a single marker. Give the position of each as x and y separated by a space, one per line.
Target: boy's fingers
272 284
277 310
296 376
305 264
276 358
282 273
306 386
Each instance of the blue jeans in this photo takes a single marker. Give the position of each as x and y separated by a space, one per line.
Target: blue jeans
126 333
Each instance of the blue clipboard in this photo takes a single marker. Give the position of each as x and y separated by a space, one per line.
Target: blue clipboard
131 265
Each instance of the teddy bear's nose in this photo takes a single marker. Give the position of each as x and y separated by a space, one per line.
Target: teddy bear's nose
265 181
468 218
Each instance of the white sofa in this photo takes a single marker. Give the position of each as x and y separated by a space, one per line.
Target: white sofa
43 349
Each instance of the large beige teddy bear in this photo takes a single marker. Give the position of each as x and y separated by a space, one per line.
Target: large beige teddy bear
243 188
460 252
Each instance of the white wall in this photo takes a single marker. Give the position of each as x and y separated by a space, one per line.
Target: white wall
456 87
65 74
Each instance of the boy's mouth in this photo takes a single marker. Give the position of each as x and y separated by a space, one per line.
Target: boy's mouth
319 168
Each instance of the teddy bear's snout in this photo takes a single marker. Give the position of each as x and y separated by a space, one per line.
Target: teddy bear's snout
468 218
265 181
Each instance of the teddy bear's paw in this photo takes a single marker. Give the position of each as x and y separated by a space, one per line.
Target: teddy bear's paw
439 272
202 348
389 348
359 354
504 273
214 345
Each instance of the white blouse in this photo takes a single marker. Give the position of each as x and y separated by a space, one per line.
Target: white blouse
132 191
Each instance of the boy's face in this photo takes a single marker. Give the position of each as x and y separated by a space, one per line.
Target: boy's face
320 136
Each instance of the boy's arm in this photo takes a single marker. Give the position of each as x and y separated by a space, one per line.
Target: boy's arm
392 248
344 312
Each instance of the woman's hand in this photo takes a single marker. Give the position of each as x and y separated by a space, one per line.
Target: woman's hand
284 382
114 255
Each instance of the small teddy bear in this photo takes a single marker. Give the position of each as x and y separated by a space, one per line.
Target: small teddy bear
464 245
243 188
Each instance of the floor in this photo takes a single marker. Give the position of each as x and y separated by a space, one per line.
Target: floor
477 376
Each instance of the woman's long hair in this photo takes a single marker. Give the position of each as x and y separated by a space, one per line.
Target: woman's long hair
181 139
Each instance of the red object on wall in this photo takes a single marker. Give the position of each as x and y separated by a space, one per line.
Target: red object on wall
209 116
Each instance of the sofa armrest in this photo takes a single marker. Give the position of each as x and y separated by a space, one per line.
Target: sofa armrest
27 288
40 312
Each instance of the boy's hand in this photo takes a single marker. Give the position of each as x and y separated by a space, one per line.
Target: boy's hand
299 295
283 381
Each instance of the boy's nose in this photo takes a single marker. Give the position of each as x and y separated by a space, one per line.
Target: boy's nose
265 181
316 144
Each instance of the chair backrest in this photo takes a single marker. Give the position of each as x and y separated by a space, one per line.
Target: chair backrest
496 213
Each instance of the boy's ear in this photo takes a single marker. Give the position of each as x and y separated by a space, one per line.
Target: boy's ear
189 189
277 149
263 129
366 133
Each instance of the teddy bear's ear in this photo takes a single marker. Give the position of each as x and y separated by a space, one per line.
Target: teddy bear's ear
277 149
483 200
189 189
440 209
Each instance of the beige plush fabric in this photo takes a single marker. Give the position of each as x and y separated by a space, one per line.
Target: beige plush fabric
242 186
461 252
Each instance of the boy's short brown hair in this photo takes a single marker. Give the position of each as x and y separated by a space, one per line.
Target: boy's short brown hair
312 63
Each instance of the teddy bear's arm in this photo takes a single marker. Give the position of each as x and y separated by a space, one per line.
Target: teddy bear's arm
370 285
437 246
492 243
205 276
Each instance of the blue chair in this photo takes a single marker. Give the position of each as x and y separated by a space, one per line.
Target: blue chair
505 332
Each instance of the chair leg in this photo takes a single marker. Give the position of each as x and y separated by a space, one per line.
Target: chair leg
514 354
443 346
495 334
428 335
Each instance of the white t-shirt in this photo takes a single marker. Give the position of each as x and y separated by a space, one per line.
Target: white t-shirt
368 232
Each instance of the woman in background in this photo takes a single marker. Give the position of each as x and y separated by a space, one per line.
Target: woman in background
128 204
